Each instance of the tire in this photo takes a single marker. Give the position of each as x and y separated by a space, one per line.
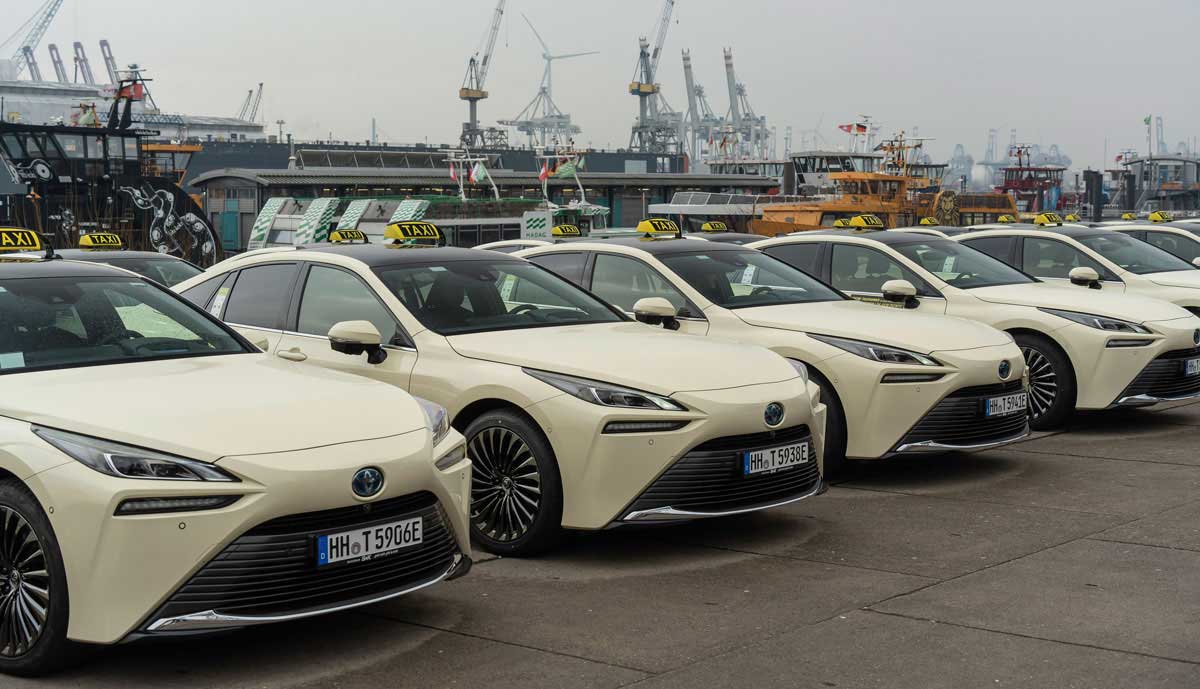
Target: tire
30 652
835 465
516 489
1051 382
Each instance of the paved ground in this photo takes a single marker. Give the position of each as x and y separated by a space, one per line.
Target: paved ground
1071 560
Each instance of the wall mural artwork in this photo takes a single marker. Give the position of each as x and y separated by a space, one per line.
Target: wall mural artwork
187 236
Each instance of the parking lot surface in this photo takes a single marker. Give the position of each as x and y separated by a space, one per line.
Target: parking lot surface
1069 560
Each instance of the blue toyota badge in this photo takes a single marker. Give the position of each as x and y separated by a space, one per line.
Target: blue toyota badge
367 482
1005 369
1196 336
773 414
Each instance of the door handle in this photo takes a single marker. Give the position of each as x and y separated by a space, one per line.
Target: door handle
293 354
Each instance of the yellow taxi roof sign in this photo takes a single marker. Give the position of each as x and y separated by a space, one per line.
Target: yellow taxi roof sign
19 239
1044 219
1128 216
928 221
104 241
1006 219
840 222
714 226
1160 216
865 220
657 226
565 231
412 229
347 236
1071 217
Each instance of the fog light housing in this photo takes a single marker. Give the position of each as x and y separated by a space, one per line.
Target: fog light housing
910 377
643 426
134 506
1118 344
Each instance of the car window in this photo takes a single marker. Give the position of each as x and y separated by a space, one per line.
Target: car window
800 256
747 278
260 295
1050 258
1133 255
622 281
165 271
960 265
1186 248
332 295
996 247
62 322
863 269
479 296
200 294
568 265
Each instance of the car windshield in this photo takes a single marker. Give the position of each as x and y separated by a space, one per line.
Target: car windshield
1132 254
61 322
459 297
742 279
960 265
166 271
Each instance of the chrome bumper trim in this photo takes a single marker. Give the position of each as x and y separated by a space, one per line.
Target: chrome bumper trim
1148 400
934 446
211 620
672 514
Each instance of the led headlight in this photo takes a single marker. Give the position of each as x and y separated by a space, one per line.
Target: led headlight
435 413
127 461
606 394
1115 325
877 352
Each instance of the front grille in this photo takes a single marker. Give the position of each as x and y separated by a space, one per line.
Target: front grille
271 569
709 478
958 419
1164 377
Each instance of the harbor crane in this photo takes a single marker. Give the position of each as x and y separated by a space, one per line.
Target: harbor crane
658 127
82 67
472 90
749 131
34 30
542 120
60 72
110 63
249 109
701 125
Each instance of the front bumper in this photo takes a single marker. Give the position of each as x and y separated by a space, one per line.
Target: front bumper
603 474
1163 380
121 571
958 424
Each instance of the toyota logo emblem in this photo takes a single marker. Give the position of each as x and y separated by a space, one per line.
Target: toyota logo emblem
773 414
1196 336
367 482
1005 370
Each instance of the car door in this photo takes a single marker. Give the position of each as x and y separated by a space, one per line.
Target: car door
254 301
861 271
623 280
1053 259
327 294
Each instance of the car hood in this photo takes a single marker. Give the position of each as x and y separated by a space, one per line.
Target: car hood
907 329
1074 298
212 407
1175 278
630 354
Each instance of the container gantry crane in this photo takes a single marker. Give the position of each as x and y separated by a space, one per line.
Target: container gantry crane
37 25
472 91
658 128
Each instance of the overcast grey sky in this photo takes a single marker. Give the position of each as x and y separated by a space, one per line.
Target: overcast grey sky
1071 72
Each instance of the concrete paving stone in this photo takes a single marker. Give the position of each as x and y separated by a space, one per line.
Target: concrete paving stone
1177 528
1038 479
349 651
927 536
644 603
868 650
1111 595
1137 436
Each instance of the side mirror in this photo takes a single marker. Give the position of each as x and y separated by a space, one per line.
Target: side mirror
1085 277
262 343
356 337
1196 261
901 291
656 311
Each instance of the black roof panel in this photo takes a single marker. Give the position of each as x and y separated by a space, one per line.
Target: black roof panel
660 247
727 237
56 268
382 255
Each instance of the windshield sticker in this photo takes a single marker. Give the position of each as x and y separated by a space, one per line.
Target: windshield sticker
437 269
219 301
748 275
948 265
12 360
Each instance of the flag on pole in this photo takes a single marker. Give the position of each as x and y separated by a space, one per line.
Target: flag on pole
471 174
453 174
1147 120
1118 158
848 128
545 172
860 128
479 173
567 169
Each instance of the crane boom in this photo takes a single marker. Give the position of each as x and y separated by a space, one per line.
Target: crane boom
257 102
41 23
486 62
664 23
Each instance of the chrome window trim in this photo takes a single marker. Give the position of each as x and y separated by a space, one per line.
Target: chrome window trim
394 347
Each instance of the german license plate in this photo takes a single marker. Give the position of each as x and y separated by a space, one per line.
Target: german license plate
774 459
1191 367
1008 404
369 542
